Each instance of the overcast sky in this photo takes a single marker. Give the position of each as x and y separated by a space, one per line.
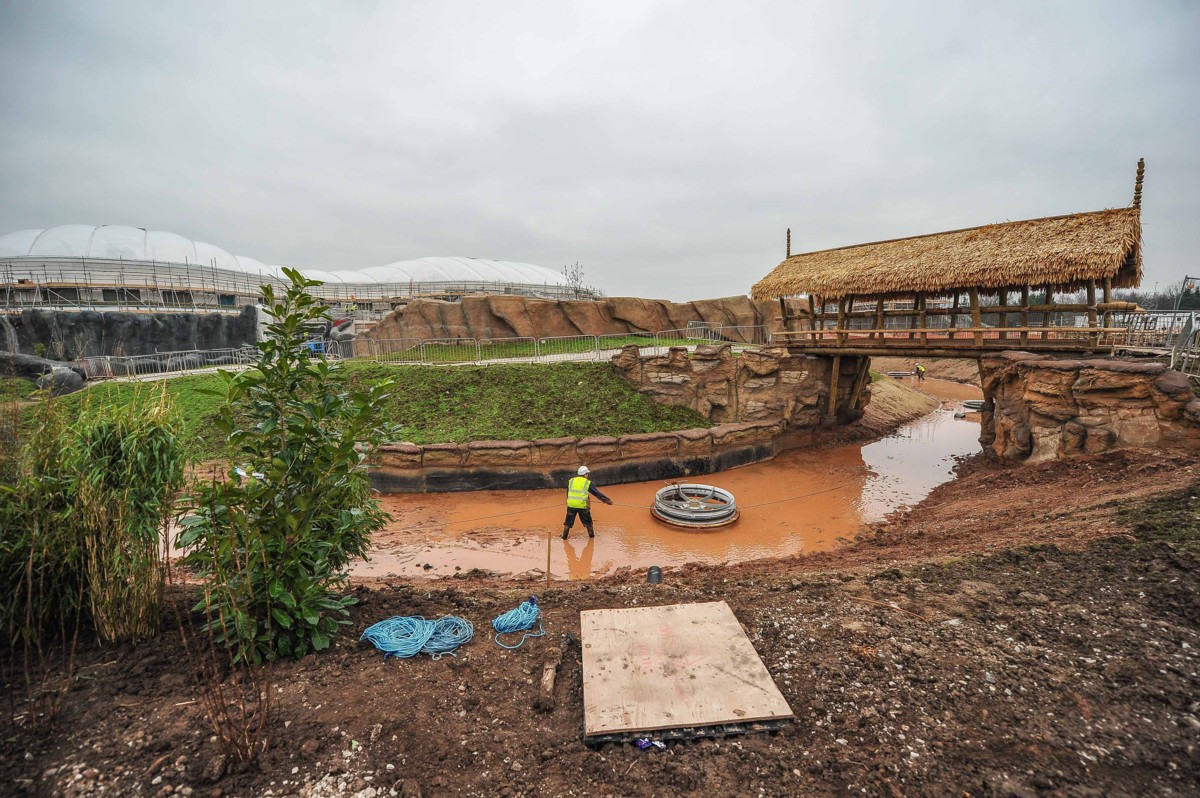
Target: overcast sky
665 146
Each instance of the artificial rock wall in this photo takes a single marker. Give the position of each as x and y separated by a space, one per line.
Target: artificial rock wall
497 316
1039 408
755 385
73 334
549 463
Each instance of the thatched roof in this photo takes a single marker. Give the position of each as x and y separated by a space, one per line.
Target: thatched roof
1064 251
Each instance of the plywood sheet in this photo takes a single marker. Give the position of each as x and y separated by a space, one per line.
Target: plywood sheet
680 665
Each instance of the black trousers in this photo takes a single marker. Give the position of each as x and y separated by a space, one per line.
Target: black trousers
585 515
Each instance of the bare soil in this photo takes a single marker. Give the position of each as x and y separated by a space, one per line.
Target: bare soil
947 368
1022 632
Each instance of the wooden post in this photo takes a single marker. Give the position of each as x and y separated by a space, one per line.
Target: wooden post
833 385
841 319
1046 314
1093 335
976 319
1108 299
860 381
1024 315
879 318
1002 301
783 313
545 699
921 318
953 316
812 318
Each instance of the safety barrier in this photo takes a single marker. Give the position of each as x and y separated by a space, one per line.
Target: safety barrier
165 362
437 351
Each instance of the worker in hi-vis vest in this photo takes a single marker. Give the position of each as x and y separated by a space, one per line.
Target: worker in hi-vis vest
578 500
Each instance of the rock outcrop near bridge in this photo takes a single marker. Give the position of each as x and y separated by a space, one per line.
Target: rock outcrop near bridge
519 317
756 385
1039 408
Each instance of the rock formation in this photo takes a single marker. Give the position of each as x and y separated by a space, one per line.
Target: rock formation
496 316
756 385
73 334
1038 408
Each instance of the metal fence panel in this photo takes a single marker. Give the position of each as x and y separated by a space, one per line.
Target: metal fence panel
450 350
567 347
609 345
521 350
394 350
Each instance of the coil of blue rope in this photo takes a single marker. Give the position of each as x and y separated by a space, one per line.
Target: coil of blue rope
519 619
407 636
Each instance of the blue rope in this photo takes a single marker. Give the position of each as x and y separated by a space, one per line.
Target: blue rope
516 620
406 637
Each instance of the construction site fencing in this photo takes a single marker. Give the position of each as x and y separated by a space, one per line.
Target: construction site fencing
165 362
1185 353
436 351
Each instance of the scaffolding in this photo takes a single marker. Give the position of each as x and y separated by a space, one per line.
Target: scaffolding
100 284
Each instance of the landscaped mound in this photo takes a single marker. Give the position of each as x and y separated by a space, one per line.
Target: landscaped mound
458 404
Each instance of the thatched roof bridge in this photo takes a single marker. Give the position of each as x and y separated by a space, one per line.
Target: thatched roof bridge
962 293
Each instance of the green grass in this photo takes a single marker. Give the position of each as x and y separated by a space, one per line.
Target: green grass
444 405
16 388
519 401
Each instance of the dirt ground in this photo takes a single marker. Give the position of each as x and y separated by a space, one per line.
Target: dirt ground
1023 632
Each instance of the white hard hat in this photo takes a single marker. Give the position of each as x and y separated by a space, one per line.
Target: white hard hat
583 470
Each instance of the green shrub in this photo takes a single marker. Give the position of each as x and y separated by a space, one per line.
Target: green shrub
274 539
41 558
128 464
84 510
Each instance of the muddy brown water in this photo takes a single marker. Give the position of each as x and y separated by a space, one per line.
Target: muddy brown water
801 501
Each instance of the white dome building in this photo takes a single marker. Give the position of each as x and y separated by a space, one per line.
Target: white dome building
86 266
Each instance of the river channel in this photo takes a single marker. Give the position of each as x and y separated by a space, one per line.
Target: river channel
802 501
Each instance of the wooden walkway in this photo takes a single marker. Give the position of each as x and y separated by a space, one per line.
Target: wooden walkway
969 342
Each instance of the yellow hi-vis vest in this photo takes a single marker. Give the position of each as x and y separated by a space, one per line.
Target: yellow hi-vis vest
577 492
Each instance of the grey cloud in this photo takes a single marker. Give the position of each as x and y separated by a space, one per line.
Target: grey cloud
665 146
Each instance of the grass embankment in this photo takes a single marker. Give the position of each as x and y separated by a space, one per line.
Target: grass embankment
16 388
450 405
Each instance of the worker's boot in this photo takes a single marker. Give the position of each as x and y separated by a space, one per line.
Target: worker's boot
566 531
591 532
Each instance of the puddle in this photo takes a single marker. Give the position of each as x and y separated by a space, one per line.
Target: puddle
801 501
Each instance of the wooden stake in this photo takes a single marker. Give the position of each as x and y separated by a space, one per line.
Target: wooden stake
549 542
545 700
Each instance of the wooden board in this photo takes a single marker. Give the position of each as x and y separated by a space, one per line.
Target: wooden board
681 665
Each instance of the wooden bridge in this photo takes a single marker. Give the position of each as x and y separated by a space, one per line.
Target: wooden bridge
1041 285
956 328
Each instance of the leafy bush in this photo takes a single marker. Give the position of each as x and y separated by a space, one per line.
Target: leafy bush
128 465
41 559
273 540
84 510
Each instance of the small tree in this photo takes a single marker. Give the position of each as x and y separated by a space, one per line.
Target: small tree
275 538
573 275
